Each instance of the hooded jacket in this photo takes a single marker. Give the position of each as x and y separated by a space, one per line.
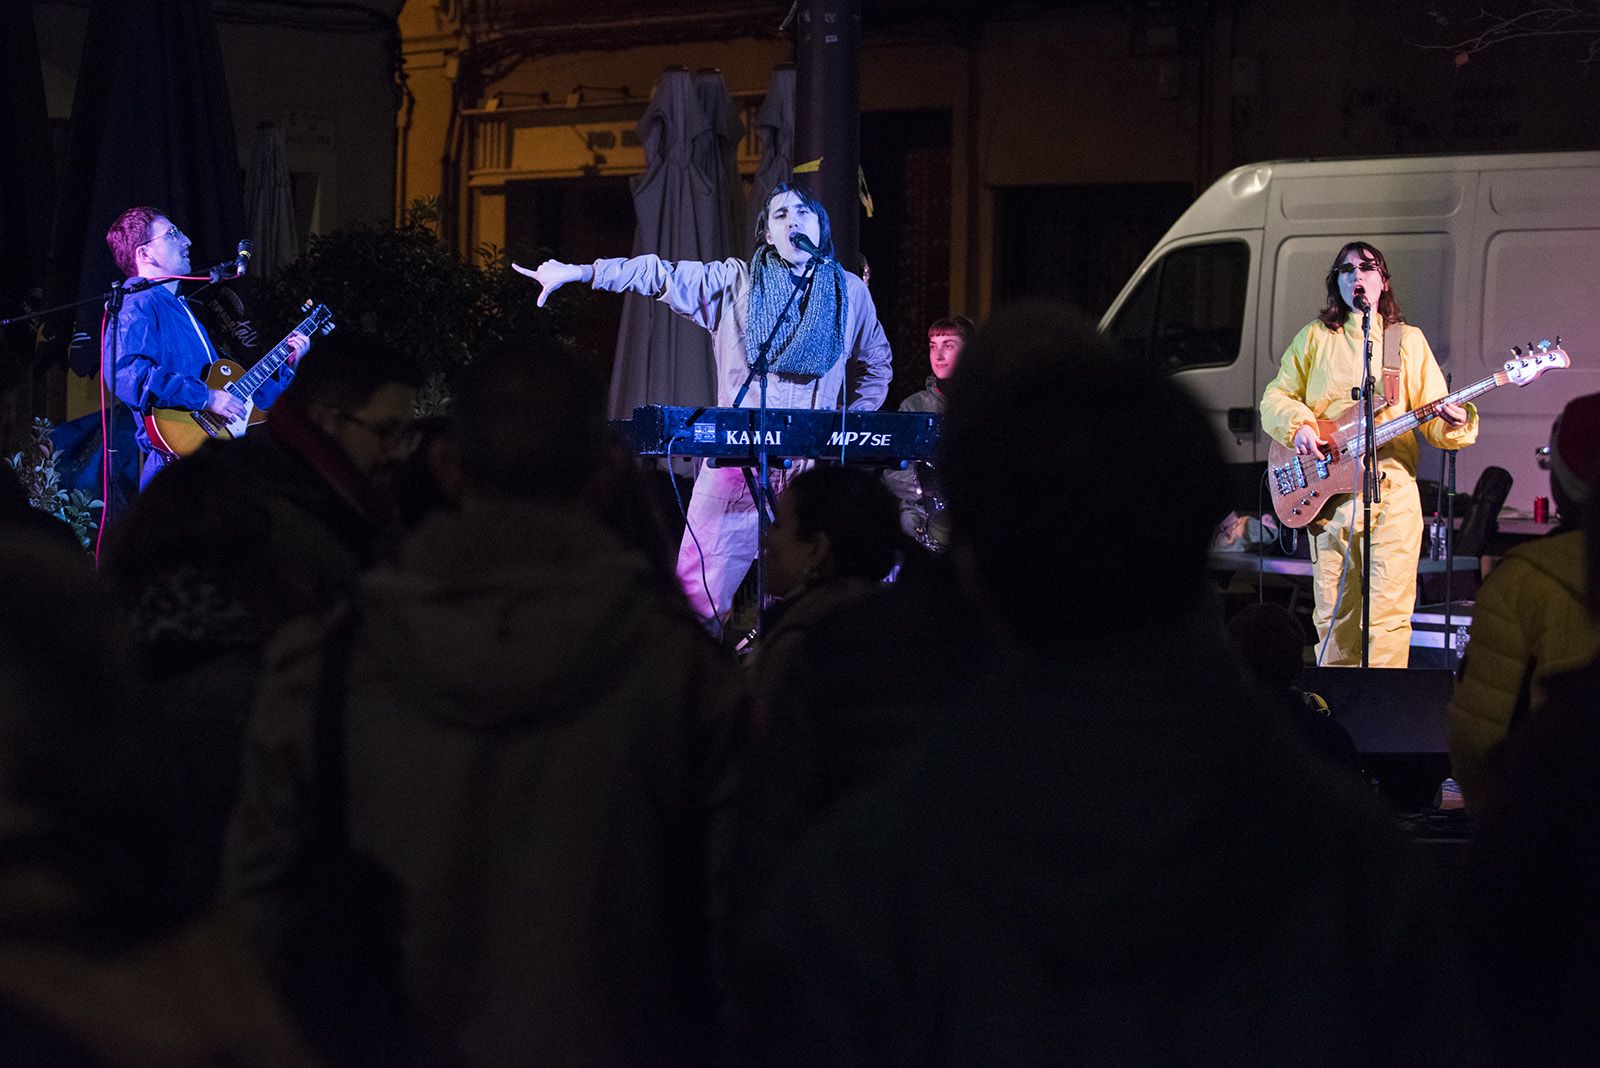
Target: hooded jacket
1529 623
539 743
1104 859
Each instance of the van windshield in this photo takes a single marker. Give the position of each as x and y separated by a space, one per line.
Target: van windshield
1188 310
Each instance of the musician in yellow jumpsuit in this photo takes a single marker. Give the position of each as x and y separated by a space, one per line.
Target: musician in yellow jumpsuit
1314 381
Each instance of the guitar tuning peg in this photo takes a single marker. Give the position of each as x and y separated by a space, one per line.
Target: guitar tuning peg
306 306
1558 341
1516 350
1544 344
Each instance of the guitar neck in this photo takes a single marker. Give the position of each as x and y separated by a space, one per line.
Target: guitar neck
246 384
1387 432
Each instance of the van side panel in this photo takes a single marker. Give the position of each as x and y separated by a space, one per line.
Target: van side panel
1537 260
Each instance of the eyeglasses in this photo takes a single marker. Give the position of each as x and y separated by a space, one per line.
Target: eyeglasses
174 233
1352 268
389 433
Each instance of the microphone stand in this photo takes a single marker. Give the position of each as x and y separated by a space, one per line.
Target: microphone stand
761 492
1451 653
111 300
1369 477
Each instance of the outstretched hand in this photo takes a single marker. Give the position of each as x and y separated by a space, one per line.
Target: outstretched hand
551 275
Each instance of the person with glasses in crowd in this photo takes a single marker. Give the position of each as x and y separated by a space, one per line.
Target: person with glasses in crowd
159 353
1315 380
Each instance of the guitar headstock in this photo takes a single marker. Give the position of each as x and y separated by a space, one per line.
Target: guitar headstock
1536 360
319 320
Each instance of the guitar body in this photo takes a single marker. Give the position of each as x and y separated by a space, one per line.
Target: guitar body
1302 486
179 432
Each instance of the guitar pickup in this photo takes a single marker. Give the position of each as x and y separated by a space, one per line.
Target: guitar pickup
1283 480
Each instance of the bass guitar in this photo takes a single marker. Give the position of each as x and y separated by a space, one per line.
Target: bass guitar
179 432
1303 485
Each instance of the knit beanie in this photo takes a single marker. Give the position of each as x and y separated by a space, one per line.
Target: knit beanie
1575 447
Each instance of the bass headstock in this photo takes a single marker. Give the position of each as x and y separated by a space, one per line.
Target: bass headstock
1528 364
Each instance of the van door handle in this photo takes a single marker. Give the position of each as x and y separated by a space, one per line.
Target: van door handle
1241 421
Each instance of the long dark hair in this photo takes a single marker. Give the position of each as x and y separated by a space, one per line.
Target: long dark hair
1334 312
824 233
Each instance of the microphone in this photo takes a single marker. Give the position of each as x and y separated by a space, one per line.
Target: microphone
800 241
234 268
1361 298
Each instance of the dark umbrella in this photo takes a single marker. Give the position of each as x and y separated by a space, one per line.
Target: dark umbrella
663 358
775 127
27 187
151 124
717 157
27 183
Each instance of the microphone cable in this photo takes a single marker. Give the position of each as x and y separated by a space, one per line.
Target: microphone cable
683 510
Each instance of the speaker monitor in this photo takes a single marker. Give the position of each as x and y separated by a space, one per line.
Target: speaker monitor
1396 717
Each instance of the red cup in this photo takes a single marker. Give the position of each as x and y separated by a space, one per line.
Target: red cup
1541 509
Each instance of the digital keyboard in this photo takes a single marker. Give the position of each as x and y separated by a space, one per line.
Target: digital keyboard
732 436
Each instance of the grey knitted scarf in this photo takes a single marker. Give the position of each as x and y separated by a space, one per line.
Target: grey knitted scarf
811 339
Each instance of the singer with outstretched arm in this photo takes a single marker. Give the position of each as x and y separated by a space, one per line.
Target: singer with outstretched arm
161 352
828 350
1322 366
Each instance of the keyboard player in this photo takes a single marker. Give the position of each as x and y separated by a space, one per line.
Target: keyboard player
827 349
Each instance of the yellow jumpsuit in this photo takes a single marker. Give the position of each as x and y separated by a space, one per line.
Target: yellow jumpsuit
1314 380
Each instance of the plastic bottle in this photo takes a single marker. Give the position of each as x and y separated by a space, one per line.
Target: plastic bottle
1436 538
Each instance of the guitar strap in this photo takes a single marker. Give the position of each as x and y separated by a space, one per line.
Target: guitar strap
1391 364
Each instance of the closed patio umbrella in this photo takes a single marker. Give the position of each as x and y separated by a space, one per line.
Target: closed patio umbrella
141 139
661 357
775 127
269 201
169 144
716 155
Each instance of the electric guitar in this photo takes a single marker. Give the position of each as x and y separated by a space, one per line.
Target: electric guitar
179 432
1302 485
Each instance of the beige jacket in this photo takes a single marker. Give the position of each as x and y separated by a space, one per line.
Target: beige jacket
716 296
1529 623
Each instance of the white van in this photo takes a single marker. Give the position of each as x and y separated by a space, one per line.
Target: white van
1486 252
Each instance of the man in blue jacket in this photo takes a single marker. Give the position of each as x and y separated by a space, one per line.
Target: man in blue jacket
161 352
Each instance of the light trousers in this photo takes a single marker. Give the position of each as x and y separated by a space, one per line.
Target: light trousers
1396 547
